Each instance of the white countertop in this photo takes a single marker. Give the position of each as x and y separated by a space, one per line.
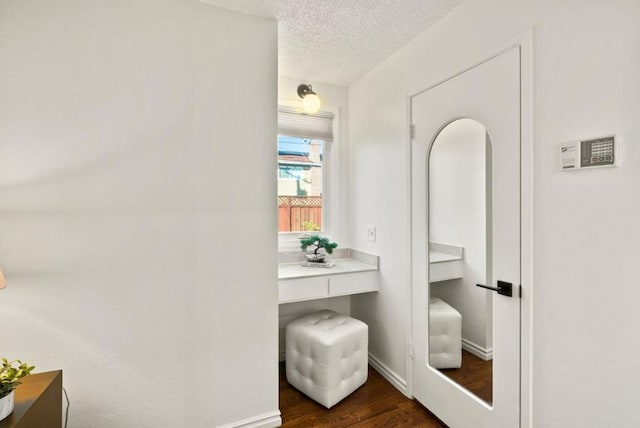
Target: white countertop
437 257
296 270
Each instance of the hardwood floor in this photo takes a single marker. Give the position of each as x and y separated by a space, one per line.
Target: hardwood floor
475 374
375 404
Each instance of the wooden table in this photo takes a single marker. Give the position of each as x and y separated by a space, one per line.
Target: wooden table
38 402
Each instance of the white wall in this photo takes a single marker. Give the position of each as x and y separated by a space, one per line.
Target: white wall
125 251
457 216
584 223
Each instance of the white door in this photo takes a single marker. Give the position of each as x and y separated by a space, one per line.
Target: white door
488 93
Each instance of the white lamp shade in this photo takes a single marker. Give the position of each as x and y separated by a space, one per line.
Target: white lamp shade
311 103
2 281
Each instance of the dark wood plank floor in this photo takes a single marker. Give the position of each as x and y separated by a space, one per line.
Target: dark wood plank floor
475 374
375 404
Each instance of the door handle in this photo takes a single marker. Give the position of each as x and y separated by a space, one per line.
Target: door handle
504 288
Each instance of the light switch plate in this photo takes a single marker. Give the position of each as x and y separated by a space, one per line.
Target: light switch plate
371 233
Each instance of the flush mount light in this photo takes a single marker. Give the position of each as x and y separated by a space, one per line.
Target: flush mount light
310 100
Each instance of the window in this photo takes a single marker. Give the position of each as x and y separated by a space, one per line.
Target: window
300 184
304 150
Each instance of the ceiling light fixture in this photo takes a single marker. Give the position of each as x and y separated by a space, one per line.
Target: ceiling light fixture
311 102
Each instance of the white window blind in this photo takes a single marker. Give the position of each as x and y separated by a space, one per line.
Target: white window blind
294 123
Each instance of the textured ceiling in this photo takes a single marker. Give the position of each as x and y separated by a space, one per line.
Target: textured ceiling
337 41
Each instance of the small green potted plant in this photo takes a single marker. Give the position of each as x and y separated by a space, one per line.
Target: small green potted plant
316 248
11 372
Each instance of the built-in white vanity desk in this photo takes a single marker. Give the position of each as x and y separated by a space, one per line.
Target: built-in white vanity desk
352 272
445 262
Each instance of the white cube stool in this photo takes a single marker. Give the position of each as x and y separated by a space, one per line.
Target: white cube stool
445 335
327 355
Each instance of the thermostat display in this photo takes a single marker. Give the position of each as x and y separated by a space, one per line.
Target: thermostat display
597 152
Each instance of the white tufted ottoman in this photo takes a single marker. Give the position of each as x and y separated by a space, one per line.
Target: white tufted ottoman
326 355
445 335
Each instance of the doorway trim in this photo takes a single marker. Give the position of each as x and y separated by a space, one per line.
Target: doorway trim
525 43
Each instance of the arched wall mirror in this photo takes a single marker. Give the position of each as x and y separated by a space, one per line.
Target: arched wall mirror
459 230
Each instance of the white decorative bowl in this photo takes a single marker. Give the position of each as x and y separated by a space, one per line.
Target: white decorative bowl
316 258
6 405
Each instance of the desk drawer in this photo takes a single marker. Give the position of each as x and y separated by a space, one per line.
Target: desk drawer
353 283
442 271
295 290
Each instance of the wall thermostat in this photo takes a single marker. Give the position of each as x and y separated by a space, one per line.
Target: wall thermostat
594 153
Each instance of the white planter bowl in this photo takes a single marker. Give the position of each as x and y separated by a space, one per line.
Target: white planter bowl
313 258
6 405
316 258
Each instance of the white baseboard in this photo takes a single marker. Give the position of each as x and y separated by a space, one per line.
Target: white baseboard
478 351
392 377
268 420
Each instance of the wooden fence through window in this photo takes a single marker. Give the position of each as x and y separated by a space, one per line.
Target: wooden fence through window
294 211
